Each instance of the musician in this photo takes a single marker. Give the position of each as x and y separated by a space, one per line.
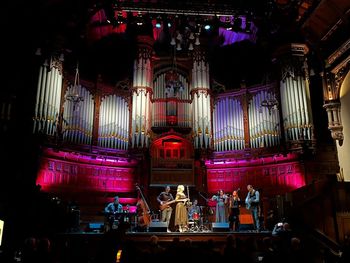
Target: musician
163 198
181 217
194 211
114 207
234 204
221 201
253 204
110 211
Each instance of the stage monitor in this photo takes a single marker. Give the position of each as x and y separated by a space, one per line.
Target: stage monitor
158 227
220 227
95 227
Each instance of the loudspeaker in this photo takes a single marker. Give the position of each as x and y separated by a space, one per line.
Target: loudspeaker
220 227
95 226
158 227
246 227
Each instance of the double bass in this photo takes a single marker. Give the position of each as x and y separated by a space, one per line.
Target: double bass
143 211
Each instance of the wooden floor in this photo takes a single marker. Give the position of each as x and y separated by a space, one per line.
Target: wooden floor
215 236
169 237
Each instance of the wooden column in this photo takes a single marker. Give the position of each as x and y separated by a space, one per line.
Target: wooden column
97 105
244 101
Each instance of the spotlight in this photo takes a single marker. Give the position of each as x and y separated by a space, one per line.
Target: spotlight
158 22
207 27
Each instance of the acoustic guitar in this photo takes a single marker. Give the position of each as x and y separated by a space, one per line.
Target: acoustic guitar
167 204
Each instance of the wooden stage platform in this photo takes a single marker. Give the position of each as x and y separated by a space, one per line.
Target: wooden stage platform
165 237
90 245
195 237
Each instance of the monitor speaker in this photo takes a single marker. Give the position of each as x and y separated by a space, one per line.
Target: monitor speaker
95 226
220 227
158 227
246 227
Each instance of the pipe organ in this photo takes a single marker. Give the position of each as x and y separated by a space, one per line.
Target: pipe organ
48 97
141 95
168 102
295 96
201 101
228 124
78 119
245 118
263 121
113 129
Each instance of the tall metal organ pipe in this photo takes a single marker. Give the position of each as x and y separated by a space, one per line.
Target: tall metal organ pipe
48 97
114 125
263 122
228 124
78 118
201 100
294 89
142 88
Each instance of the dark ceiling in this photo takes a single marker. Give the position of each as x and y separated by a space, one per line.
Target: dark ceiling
64 25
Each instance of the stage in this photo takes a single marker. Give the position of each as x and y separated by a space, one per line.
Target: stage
142 237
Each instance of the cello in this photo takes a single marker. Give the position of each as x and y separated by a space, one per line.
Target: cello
143 211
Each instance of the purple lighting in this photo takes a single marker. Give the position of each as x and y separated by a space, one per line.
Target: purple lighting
67 170
279 174
231 35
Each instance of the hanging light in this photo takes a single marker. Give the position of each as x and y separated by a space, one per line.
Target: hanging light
173 84
197 42
74 97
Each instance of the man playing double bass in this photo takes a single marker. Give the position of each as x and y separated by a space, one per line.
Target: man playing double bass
164 198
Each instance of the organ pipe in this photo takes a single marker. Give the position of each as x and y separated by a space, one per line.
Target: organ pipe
171 104
48 99
79 119
294 89
201 101
228 124
142 87
263 122
113 123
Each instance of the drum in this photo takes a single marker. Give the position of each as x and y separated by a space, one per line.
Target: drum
195 216
115 224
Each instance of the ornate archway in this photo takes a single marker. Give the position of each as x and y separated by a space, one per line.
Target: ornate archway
172 160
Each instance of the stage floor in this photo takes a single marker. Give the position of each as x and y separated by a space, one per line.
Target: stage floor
169 237
199 236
